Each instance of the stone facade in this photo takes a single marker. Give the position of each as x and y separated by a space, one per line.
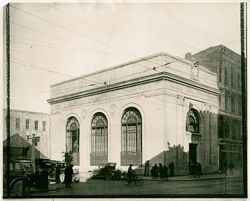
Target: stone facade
227 65
23 124
161 89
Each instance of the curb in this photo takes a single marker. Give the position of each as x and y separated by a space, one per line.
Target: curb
190 179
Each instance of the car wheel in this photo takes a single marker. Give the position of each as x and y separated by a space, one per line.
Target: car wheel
18 188
108 176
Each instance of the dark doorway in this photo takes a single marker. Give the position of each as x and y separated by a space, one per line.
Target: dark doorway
193 152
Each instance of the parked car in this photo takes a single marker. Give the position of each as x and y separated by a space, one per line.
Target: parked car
20 176
107 171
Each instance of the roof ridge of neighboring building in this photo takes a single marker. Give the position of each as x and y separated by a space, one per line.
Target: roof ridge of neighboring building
125 64
27 111
216 46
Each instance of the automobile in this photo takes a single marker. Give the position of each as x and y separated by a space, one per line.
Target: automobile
20 176
106 171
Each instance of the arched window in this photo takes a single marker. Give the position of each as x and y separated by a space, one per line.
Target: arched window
192 121
72 139
131 150
99 139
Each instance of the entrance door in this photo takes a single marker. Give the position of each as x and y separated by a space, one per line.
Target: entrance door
193 152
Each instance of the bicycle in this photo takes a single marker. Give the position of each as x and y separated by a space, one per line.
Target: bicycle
137 180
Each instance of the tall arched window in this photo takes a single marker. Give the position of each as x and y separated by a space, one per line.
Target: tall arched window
192 121
72 140
99 139
131 150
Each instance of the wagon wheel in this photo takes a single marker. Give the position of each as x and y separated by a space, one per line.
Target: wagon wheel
139 181
108 176
18 188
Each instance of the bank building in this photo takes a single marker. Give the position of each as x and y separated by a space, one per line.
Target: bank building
155 109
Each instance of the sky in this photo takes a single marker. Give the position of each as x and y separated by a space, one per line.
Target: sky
53 42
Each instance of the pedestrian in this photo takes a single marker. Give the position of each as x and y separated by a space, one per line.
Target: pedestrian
171 169
58 169
225 167
191 167
146 169
131 174
161 173
68 175
165 172
44 179
155 171
231 168
37 183
198 169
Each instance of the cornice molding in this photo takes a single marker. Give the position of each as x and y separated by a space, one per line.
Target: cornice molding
135 82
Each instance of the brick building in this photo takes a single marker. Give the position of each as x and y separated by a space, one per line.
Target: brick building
227 65
23 124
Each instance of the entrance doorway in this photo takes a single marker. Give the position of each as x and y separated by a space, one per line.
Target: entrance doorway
193 152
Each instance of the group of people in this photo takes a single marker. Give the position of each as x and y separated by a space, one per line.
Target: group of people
162 171
195 169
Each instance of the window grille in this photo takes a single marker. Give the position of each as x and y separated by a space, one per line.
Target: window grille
36 125
72 139
27 123
17 123
131 150
192 121
44 126
99 139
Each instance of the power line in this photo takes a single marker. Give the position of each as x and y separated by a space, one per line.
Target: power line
58 38
42 69
72 31
48 46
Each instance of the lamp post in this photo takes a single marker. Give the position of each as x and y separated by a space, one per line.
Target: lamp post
34 141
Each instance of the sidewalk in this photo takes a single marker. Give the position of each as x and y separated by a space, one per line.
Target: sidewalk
215 176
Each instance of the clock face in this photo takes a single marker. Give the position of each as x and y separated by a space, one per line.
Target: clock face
195 73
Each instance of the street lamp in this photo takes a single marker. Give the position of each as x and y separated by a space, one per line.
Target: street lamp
34 139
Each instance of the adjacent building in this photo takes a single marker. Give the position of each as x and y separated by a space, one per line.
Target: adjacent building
227 65
155 109
23 126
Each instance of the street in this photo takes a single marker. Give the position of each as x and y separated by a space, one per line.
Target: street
103 188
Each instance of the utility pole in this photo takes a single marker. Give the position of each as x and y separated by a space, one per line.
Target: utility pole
8 98
243 35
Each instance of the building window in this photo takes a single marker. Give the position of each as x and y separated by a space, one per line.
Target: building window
232 103
235 129
192 121
17 123
226 101
131 150
239 80
99 139
44 125
220 74
221 126
36 125
72 139
226 76
27 124
227 127
232 78
239 104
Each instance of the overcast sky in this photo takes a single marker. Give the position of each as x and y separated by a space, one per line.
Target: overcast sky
55 42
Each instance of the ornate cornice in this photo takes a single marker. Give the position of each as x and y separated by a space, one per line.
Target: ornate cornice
135 82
